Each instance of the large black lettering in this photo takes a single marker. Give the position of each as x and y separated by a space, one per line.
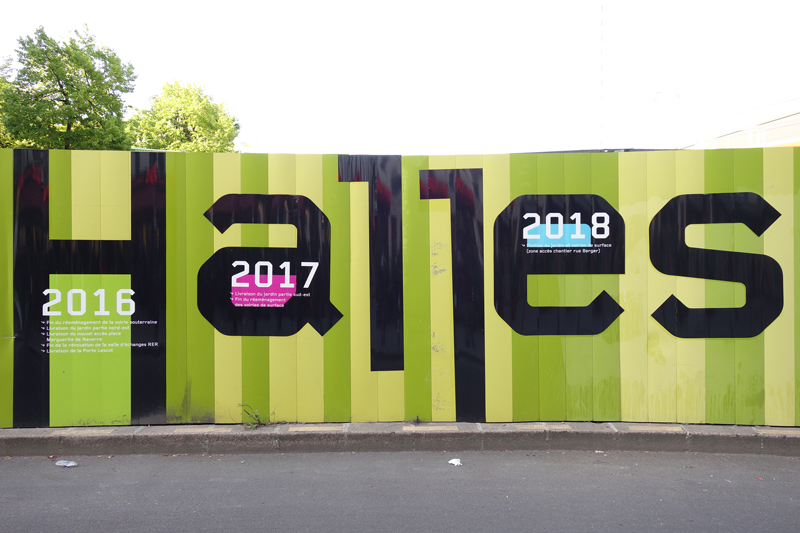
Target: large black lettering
761 275
252 291
383 174
556 234
464 189
36 256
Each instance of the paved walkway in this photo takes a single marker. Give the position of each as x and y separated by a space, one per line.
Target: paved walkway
400 436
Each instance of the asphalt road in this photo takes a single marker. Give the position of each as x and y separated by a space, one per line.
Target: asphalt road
415 491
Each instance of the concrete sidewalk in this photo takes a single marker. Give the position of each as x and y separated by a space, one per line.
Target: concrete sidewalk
399 436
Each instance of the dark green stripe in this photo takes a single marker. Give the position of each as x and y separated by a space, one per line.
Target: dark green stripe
552 348
177 400
6 289
607 399
336 204
525 349
749 361
255 350
199 247
416 293
720 375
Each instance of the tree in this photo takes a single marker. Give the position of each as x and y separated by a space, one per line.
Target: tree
184 118
67 94
5 139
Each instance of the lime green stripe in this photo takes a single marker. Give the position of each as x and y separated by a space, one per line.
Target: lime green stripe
440 260
60 201
634 321
442 342
749 362
227 348
115 196
6 289
796 296
605 347
524 349
441 309
469 161
199 247
283 350
337 341
416 293
552 349
578 292
779 337
662 347
691 360
310 344
86 185
390 396
177 399
720 376
499 357
255 350
90 387
364 389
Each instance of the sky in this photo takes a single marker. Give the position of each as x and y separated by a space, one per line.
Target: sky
453 77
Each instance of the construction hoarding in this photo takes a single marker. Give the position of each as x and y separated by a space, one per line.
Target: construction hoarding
147 288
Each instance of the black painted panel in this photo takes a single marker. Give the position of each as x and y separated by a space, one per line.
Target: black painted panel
31 277
464 189
36 257
383 173
148 267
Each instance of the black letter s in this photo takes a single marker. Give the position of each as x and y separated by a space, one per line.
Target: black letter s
761 275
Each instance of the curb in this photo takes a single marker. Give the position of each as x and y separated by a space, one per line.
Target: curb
400 436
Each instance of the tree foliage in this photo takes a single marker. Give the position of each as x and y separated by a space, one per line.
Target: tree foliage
67 94
184 118
5 139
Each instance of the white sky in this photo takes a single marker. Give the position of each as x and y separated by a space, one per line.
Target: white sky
454 77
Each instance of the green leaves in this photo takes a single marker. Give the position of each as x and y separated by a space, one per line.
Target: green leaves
184 118
5 139
66 94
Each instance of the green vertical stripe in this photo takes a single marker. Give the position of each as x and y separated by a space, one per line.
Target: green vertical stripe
796 294
336 199
90 371
552 348
416 293
177 400
749 359
720 375
578 293
60 200
605 346
6 288
525 349
255 350
199 247
86 197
